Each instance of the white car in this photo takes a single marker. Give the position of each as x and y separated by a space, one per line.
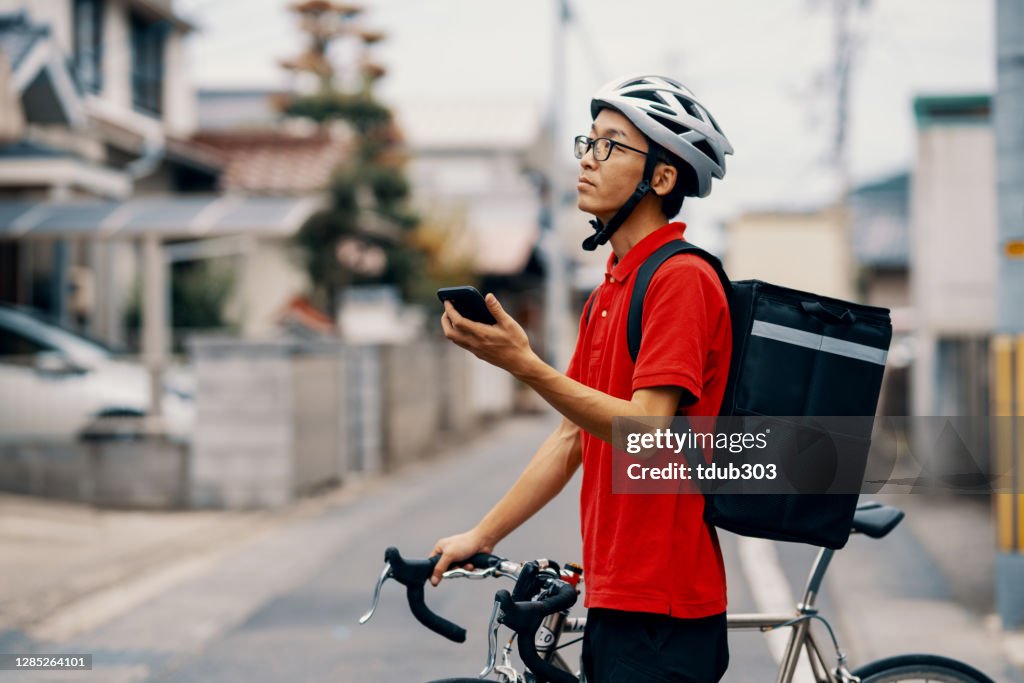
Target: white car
54 382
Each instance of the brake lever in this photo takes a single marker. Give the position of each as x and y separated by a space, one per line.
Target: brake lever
492 641
384 576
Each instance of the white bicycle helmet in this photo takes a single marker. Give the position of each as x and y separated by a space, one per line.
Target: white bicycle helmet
671 117
668 113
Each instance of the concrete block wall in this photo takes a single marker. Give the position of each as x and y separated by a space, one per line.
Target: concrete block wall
363 409
242 449
412 400
457 408
149 473
318 418
41 468
145 472
491 391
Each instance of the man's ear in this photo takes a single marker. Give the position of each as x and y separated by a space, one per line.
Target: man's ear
664 178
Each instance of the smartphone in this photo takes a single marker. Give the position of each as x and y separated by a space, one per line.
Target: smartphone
468 302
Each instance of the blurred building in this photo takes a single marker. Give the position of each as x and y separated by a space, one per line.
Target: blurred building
953 259
268 154
96 114
807 250
471 169
880 235
468 163
281 161
225 109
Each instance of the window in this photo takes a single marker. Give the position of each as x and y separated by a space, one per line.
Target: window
148 39
88 44
17 349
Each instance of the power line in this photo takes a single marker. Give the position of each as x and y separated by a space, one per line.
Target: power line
594 57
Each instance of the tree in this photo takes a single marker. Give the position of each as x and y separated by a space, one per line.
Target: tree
366 235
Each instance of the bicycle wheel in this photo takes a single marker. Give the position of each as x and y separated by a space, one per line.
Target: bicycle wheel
924 668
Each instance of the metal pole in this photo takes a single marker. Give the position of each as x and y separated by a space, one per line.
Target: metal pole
1008 112
844 46
556 299
154 317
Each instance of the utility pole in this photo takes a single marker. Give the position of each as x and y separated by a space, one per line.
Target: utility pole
556 286
845 46
1008 345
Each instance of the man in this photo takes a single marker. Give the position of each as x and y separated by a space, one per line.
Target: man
655 581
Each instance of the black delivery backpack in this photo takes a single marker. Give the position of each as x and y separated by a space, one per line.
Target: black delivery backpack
794 354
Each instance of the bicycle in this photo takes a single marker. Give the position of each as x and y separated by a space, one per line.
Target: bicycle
537 612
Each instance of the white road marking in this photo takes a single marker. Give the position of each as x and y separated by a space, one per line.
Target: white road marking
102 606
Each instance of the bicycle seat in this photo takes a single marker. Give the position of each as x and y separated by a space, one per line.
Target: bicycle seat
876 520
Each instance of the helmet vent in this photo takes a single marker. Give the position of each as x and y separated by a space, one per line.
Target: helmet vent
704 147
662 108
690 108
673 126
649 95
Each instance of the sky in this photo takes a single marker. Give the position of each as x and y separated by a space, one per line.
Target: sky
761 67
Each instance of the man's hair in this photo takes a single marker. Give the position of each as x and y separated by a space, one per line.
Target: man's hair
686 180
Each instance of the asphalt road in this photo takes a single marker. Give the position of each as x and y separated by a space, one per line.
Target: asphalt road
284 606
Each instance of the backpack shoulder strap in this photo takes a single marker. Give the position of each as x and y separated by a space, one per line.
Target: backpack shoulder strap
634 323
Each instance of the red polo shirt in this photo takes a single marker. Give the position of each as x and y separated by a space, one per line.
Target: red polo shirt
651 552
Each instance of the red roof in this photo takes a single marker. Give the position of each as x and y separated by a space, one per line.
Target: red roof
276 162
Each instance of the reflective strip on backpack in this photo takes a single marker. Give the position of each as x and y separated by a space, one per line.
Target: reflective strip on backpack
818 342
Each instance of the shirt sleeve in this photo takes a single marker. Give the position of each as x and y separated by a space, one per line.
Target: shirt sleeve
683 306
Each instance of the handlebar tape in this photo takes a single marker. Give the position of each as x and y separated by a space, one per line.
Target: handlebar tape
525 618
413 574
528 583
435 623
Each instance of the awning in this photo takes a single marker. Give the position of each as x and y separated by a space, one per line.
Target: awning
178 217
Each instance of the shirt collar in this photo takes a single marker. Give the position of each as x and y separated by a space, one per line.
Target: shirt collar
619 271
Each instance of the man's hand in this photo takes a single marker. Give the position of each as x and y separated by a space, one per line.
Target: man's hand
504 344
455 548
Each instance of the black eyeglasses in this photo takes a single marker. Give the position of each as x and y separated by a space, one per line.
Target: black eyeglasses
602 147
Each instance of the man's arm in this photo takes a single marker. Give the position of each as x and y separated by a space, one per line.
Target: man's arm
507 346
550 469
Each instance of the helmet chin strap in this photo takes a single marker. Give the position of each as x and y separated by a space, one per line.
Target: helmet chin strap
601 231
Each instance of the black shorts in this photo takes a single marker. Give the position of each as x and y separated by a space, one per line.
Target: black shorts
634 647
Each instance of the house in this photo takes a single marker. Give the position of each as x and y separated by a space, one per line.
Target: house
269 154
954 262
470 169
468 162
762 244
880 236
773 245
97 169
282 162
